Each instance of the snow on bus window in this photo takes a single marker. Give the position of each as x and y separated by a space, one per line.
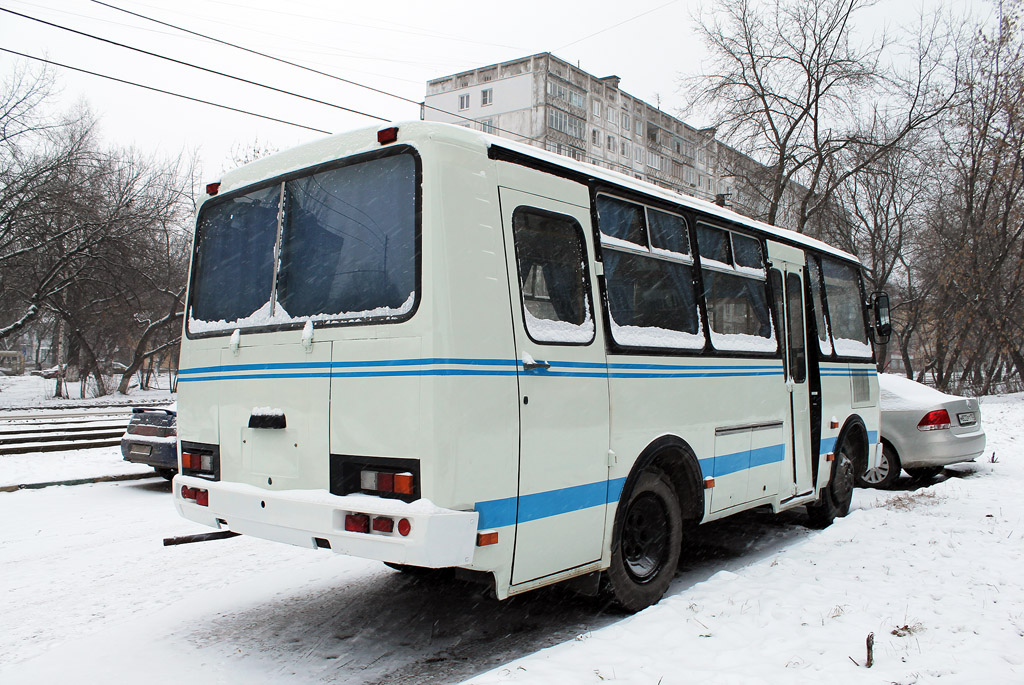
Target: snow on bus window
621 221
845 308
552 280
651 302
347 247
713 245
747 254
818 303
347 250
668 234
738 314
234 257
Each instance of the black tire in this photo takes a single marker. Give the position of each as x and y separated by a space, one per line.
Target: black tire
924 472
887 473
837 496
166 473
646 543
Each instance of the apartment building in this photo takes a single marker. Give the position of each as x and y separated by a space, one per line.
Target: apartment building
547 102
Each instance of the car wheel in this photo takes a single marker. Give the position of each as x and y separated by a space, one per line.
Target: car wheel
645 544
924 472
837 496
166 473
885 475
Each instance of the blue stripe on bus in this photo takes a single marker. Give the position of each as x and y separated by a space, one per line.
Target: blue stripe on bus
499 513
726 464
370 369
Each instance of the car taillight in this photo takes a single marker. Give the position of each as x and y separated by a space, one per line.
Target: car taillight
934 420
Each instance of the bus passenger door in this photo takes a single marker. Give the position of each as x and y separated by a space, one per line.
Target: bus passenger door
563 386
786 278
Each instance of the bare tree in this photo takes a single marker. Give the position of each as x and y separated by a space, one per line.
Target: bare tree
789 86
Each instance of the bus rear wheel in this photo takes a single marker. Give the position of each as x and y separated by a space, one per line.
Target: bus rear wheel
837 496
646 543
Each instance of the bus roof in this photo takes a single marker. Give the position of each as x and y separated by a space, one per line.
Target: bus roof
364 140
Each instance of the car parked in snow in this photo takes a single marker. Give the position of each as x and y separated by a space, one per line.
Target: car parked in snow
922 431
152 439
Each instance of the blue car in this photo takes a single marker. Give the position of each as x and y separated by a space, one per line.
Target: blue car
152 439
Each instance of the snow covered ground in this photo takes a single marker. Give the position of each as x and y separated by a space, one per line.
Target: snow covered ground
91 595
20 392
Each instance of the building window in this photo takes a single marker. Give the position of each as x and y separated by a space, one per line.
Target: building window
570 125
653 160
597 108
611 143
577 99
464 101
487 125
625 149
652 133
595 137
638 153
639 127
624 121
486 97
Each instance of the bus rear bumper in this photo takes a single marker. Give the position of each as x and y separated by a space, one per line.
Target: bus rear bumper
436 537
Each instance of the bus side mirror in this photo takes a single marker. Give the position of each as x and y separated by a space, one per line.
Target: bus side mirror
881 326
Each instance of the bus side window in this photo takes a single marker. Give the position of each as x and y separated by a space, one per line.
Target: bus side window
778 298
555 295
795 321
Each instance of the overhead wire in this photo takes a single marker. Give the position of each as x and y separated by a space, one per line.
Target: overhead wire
165 92
304 67
190 65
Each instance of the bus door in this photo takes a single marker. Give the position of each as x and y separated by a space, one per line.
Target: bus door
563 386
786 279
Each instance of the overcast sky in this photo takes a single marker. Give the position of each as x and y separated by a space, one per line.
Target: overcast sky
394 46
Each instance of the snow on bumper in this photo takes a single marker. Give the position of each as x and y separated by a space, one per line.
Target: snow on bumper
437 537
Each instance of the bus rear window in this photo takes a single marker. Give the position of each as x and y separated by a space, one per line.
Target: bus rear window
346 241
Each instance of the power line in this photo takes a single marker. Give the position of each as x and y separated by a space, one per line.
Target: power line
189 64
165 92
303 67
615 26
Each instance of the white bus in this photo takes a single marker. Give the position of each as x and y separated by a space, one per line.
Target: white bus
437 348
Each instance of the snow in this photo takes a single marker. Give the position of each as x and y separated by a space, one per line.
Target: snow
267 411
549 330
899 392
91 595
744 342
28 391
652 336
846 347
279 317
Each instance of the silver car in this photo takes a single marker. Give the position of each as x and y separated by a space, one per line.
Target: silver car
922 431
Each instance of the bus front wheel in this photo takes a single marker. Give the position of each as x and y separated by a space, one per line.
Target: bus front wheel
646 543
837 496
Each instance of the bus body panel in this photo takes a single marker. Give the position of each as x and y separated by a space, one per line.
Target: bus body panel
447 389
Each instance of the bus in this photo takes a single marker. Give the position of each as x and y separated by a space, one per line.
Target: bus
434 347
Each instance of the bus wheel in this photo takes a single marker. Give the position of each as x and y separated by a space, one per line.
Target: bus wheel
646 543
837 496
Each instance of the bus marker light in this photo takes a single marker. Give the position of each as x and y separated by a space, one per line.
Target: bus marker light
213 188
833 424
831 456
383 524
486 537
357 523
709 483
404 527
203 498
387 135
187 492
403 483
386 482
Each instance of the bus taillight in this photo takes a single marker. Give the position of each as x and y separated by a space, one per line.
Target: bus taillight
387 482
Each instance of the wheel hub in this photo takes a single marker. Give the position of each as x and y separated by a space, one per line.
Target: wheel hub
645 537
